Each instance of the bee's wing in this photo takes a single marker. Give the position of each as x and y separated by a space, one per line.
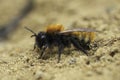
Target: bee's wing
78 30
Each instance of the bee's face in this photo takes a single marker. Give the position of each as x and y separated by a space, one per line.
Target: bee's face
41 36
41 39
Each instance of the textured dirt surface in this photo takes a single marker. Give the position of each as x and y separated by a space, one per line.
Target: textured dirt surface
19 62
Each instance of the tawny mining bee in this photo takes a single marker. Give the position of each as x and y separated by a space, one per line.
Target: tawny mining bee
55 35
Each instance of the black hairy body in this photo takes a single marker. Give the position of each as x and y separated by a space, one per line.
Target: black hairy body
55 37
47 40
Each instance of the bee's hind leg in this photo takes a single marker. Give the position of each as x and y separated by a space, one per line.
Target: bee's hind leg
77 45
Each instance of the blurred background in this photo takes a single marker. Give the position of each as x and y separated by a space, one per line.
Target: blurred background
19 62
37 14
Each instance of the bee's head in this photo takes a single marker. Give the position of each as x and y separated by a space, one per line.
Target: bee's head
41 36
41 39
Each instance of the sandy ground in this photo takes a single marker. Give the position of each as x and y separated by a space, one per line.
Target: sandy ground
19 62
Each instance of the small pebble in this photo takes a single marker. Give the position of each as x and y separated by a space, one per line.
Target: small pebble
72 61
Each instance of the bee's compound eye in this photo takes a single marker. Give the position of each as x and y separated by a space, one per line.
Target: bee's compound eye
43 36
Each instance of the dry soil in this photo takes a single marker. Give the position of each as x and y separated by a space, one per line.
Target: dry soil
19 62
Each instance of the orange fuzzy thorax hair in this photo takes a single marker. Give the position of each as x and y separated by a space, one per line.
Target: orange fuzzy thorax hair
54 28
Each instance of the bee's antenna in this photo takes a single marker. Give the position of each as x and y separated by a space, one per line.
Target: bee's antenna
31 31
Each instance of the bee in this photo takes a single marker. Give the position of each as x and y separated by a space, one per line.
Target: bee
56 36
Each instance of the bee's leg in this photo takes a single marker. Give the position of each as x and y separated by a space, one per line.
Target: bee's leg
42 52
60 49
76 44
34 47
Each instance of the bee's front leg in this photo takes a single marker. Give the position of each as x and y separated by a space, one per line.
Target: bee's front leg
34 46
42 51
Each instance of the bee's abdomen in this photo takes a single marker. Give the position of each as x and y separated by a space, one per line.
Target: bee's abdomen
85 38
